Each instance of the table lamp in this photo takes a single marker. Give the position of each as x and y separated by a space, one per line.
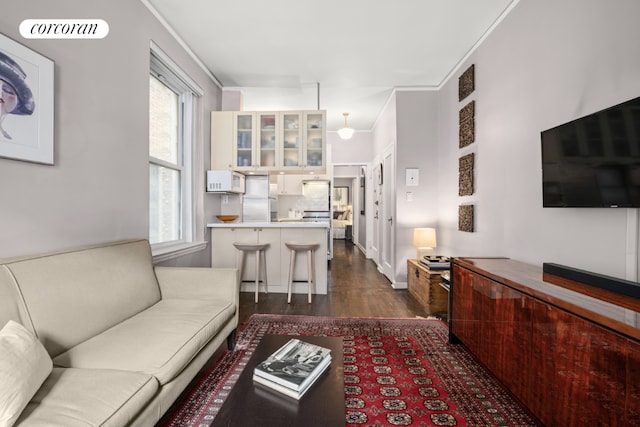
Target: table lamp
424 239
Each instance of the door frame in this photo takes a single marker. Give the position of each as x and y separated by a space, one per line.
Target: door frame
388 223
356 203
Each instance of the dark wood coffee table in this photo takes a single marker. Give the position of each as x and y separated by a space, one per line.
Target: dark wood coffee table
250 404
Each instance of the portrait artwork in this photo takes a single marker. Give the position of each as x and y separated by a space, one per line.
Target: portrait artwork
26 103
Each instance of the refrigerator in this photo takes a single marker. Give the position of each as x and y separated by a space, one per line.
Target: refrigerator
317 207
256 203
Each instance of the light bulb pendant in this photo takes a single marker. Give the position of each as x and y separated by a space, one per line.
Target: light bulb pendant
346 132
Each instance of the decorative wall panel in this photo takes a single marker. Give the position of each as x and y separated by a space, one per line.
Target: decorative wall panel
467 124
465 175
466 83
465 218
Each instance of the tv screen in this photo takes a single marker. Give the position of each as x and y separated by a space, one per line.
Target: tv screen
594 161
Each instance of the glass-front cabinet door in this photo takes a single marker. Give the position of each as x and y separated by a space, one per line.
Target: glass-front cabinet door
291 125
267 148
314 153
244 132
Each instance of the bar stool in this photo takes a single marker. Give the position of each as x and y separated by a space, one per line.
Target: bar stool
259 249
310 249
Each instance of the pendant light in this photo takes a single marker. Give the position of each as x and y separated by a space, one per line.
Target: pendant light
346 132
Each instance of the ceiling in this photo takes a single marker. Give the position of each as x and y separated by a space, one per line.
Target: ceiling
348 54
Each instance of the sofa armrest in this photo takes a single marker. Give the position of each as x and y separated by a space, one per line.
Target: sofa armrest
198 283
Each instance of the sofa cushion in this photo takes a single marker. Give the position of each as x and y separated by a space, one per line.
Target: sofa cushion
24 366
101 285
159 341
89 397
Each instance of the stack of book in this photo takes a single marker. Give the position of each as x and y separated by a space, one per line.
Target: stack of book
293 368
436 262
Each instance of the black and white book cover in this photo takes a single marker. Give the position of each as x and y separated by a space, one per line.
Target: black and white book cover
436 261
295 365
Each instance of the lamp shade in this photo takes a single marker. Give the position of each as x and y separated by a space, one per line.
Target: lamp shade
424 237
346 133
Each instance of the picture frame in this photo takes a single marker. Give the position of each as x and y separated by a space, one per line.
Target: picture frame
380 174
27 106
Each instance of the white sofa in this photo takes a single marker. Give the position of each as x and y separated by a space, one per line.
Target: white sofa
125 337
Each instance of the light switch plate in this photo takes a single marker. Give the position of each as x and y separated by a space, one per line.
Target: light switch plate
412 177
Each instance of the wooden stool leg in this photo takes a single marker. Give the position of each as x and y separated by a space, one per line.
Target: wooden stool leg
309 272
257 273
264 267
292 260
313 272
242 255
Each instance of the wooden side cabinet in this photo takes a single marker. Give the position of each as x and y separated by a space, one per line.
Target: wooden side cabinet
570 358
425 286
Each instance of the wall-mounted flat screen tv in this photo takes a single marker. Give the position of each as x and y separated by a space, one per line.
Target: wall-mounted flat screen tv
594 161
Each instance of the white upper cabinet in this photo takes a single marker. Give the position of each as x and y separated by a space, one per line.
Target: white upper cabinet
221 140
315 140
244 141
289 141
292 155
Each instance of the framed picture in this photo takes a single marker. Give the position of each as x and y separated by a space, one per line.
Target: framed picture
26 103
380 174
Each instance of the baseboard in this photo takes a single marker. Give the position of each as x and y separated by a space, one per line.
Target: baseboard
400 285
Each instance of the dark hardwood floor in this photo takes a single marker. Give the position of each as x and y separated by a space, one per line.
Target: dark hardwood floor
355 289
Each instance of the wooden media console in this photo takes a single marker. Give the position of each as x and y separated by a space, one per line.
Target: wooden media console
570 354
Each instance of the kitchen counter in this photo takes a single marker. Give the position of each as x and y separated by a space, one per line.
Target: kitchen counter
276 234
283 224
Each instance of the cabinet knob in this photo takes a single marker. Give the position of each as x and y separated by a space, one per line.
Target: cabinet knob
417 273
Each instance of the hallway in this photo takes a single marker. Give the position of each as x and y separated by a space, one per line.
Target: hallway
356 289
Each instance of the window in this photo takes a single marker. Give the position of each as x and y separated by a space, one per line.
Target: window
171 142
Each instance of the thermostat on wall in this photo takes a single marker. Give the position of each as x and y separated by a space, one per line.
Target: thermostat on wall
412 177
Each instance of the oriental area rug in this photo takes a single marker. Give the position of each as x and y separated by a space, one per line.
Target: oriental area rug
397 372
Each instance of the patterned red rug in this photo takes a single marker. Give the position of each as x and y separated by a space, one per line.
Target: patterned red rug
397 372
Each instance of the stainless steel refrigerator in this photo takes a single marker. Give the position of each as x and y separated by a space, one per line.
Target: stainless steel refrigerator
256 201
317 207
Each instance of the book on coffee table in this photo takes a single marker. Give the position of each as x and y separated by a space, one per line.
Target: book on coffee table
293 368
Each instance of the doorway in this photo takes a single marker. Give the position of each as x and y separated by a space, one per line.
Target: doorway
353 177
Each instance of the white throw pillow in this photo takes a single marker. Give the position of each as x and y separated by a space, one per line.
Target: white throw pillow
24 366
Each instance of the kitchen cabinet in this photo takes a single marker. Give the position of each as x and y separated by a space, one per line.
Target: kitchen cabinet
244 141
290 185
222 130
315 140
286 141
292 141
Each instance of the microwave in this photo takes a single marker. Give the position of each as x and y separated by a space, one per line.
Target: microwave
225 181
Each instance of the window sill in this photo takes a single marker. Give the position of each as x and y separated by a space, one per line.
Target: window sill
165 253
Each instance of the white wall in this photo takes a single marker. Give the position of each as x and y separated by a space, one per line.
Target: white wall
546 63
352 150
410 123
417 148
97 191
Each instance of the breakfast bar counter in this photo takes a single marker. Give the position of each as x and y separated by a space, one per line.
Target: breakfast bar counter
283 224
224 254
